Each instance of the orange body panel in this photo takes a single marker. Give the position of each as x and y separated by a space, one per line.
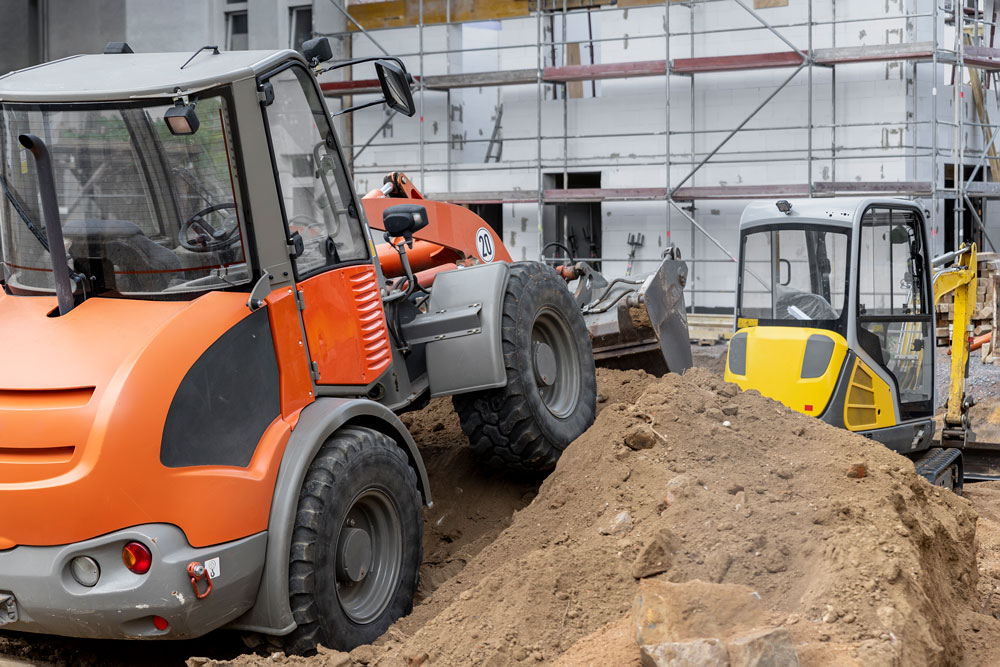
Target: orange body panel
293 362
422 256
345 325
448 225
83 401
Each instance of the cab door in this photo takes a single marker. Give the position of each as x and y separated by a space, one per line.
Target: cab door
895 306
338 287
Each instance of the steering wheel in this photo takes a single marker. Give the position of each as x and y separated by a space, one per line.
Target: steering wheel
307 226
209 238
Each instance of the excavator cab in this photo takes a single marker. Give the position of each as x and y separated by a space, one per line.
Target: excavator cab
835 317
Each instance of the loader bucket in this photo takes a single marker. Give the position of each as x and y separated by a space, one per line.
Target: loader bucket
642 325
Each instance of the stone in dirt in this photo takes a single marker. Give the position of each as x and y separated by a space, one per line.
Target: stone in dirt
620 524
667 612
771 647
641 437
657 555
699 653
857 471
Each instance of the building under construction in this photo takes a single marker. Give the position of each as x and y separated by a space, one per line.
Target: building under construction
577 128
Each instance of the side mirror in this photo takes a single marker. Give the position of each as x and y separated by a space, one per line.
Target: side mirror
395 84
403 220
317 50
899 234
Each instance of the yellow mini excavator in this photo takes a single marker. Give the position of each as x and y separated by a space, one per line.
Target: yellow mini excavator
835 319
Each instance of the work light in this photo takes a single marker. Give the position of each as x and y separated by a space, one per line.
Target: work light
181 119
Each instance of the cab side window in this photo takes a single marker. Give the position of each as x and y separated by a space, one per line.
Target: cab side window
314 186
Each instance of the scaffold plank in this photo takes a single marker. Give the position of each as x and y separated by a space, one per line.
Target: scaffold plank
843 55
978 57
627 70
823 188
736 63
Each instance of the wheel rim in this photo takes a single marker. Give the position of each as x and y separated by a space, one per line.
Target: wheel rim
555 362
368 557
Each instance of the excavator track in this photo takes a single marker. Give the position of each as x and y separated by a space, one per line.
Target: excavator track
939 467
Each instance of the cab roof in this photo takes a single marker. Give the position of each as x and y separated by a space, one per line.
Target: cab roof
108 77
839 211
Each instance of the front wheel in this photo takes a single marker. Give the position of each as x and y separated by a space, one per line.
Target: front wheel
356 544
550 397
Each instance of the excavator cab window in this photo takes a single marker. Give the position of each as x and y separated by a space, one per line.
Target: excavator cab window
795 275
894 305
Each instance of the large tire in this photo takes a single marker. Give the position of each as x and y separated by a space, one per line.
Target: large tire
357 543
551 392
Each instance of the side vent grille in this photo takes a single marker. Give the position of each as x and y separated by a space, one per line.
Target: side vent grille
859 411
374 334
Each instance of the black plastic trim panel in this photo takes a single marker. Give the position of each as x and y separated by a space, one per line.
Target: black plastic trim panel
226 400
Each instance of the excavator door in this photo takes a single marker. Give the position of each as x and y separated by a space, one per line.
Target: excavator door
895 316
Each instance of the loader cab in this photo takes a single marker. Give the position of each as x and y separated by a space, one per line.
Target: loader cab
835 313
178 174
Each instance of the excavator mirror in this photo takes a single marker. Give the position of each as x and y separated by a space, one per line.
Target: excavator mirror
395 84
899 234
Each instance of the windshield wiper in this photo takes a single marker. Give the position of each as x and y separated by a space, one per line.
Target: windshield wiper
28 222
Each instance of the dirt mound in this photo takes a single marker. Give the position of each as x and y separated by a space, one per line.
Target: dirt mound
734 489
713 486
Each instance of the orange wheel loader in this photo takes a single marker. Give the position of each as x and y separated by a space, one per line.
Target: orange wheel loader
205 352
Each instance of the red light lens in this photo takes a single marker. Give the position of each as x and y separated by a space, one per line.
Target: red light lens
160 623
136 557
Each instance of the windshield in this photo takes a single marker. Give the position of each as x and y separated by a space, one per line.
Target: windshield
794 274
144 212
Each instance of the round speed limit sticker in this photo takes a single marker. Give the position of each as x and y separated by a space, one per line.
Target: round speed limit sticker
484 245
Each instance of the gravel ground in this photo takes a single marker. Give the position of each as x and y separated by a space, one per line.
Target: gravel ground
983 381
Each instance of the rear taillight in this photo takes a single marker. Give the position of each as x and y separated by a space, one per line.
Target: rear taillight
136 557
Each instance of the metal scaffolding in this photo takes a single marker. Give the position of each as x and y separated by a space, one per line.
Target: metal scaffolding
971 57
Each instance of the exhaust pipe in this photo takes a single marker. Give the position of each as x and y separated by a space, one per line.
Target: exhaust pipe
53 226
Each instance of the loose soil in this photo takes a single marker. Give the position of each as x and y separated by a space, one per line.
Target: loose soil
732 489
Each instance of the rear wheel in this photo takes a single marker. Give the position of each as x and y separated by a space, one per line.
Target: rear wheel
356 545
551 395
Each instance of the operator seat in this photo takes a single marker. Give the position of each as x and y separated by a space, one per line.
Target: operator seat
141 264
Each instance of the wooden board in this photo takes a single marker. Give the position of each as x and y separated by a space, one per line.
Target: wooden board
397 13
574 88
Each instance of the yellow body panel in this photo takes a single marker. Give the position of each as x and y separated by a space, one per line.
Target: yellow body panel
774 358
869 402
774 362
